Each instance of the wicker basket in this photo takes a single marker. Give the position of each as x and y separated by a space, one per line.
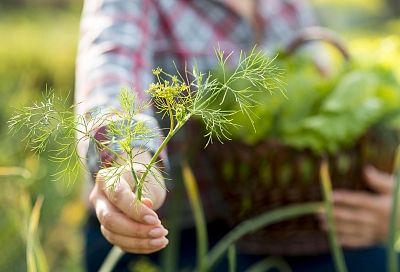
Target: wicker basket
255 179
269 175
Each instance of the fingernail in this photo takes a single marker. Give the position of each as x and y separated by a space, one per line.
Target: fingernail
166 242
148 202
159 242
157 232
151 219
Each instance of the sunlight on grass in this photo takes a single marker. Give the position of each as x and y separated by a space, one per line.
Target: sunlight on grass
38 43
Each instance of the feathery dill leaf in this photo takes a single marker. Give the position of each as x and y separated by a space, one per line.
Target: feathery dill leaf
195 94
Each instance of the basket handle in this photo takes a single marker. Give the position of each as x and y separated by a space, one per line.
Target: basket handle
316 33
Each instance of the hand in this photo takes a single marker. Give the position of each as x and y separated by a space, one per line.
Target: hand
132 226
362 218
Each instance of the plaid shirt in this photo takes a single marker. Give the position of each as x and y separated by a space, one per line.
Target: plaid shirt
122 40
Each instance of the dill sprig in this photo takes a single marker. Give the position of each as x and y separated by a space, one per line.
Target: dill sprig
179 97
50 122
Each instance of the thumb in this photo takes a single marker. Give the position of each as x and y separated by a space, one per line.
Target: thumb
148 202
380 182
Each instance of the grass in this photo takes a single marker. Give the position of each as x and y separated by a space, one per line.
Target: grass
392 254
38 49
326 187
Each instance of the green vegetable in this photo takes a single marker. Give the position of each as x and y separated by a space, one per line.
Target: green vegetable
323 114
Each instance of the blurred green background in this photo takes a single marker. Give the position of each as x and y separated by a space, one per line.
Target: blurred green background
37 51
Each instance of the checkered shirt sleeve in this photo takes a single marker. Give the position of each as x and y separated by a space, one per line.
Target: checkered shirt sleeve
115 51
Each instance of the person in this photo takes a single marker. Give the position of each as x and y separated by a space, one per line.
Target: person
121 42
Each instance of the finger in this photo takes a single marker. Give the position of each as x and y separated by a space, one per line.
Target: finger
344 229
119 223
140 169
154 186
148 202
140 251
354 228
354 241
124 199
379 181
351 215
355 199
347 223
144 251
134 244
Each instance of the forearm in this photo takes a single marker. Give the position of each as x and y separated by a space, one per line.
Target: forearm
115 51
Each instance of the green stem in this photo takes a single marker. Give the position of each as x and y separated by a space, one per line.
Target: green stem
393 263
336 250
199 219
269 263
257 223
232 258
171 117
111 260
171 133
133 172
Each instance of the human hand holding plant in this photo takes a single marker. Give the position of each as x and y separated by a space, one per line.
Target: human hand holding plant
134 228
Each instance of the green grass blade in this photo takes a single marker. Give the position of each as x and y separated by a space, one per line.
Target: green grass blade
195 204
36 259
257 223
15 171
336 249
232 258
269 263
112 259
392 255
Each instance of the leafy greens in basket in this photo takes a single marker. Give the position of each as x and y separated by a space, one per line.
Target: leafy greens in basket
322 114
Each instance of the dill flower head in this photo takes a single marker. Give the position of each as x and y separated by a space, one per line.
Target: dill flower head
167 90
